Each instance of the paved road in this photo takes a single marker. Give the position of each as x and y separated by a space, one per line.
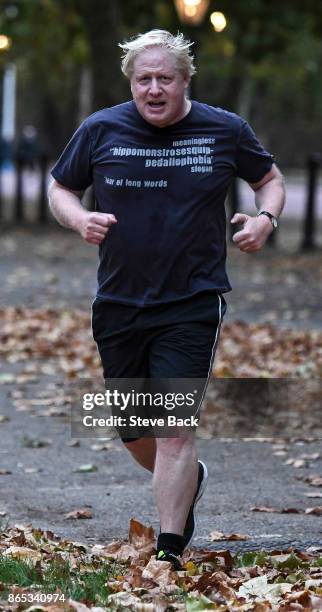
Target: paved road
58 270
242 475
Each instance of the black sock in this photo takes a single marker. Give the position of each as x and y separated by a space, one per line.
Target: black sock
171 542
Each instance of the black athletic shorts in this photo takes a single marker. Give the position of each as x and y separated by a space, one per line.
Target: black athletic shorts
174 341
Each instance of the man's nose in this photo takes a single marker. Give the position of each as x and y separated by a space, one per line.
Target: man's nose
154 87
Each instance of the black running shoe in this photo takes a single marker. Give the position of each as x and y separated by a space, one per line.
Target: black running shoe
190 526
166 555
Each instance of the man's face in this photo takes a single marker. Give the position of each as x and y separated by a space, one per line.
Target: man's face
158 88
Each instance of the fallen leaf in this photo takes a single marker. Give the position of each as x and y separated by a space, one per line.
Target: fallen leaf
259 587
39 401
124 601
216 536
160 572
273 509
117 550
311 457
297 463
28 442
105 446
280 447
6 378
3 418
291 511
302 597
221 557
314 582
316 510
53 412
264 509
288 561
4 471
313 494
314 480
80 513
191 568
73 443
21 552
142 538
87 467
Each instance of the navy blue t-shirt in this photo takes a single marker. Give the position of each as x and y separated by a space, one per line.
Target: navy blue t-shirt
167 188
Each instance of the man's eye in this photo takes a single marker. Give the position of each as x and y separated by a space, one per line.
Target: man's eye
144 79
166 78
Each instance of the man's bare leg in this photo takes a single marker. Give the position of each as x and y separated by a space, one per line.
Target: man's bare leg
174 464
175 479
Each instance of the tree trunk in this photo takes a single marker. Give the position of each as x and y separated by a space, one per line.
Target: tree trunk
103 22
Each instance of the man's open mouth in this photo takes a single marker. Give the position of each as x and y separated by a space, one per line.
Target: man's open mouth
156 104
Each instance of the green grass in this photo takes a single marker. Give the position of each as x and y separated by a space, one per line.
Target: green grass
249 559
88 586
17 572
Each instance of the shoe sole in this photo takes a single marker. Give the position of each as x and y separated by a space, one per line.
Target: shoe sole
201 491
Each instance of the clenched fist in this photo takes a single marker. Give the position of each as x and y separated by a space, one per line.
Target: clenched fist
94 226
254 233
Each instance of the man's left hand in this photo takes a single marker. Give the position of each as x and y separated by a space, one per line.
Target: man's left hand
254 233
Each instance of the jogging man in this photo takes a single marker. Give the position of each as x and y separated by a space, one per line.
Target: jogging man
161 166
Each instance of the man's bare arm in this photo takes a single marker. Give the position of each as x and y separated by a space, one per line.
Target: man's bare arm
269 196
67 208
270 192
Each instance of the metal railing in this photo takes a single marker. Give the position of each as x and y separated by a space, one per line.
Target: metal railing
18 200
309 227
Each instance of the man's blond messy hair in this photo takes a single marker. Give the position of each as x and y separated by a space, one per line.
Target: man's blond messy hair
177 45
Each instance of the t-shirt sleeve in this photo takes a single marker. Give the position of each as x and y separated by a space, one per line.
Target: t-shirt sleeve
74 169
253 162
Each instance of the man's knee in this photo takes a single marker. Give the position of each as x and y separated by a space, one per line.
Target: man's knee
176 445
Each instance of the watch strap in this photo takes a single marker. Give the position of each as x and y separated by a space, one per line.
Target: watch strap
271 217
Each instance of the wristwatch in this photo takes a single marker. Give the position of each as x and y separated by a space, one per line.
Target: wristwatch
273 219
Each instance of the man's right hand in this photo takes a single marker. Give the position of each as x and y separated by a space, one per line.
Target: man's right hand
94 226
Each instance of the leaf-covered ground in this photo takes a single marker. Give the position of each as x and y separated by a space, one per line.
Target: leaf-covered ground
58 342
125 575
62 341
